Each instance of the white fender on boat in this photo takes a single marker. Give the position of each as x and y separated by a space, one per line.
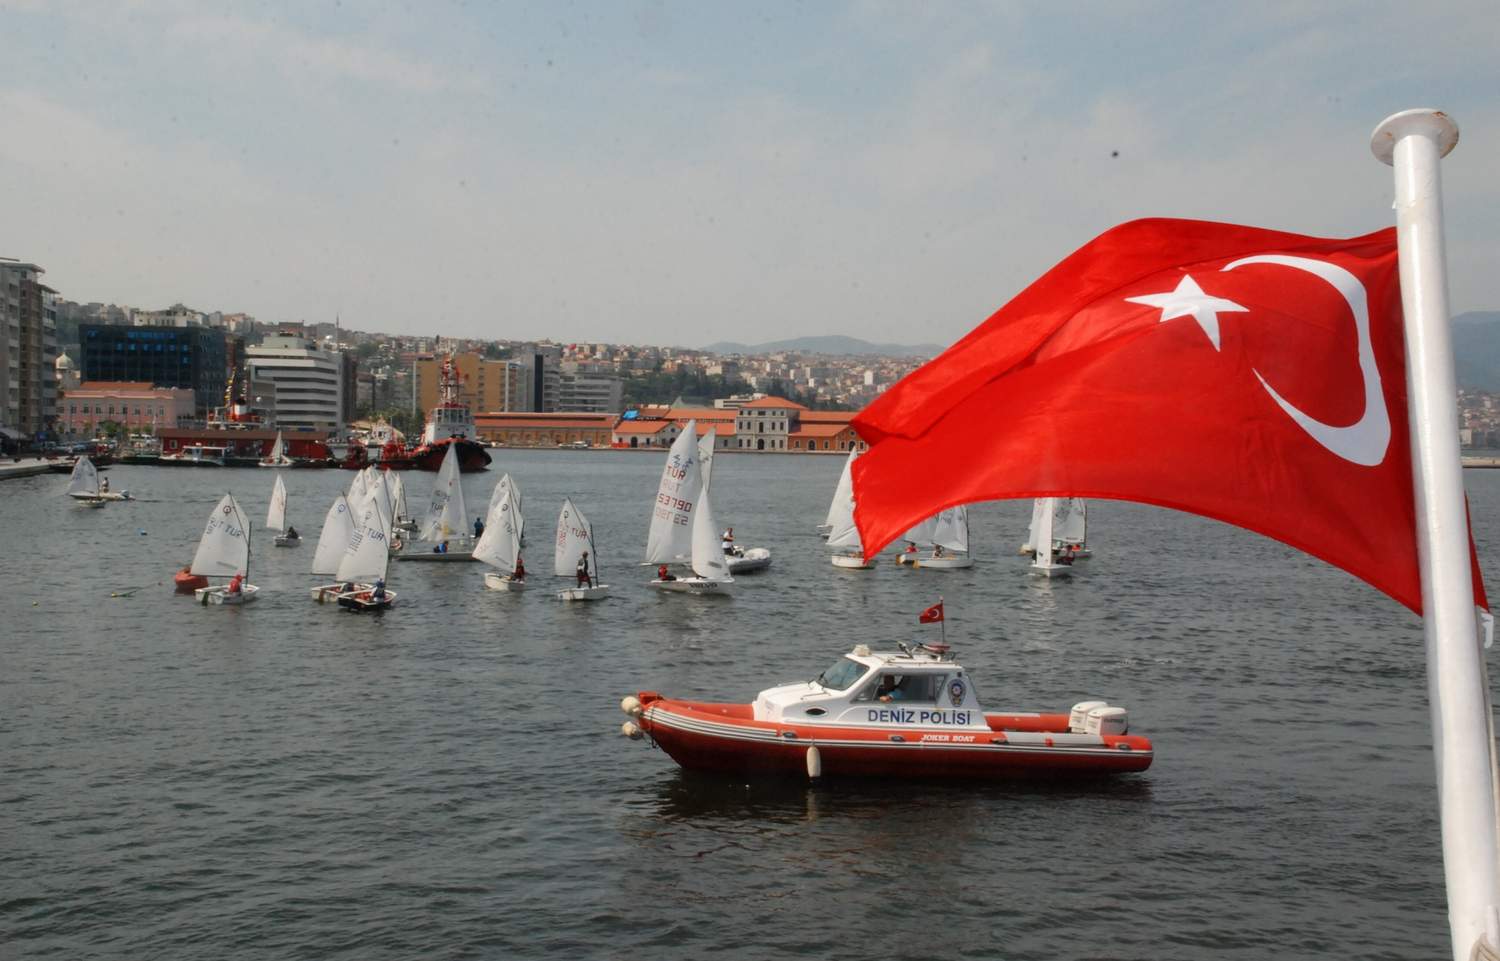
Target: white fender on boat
630 730
632 705
814 762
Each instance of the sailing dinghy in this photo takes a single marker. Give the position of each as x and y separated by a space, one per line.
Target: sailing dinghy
366 558
338 530
444 534
575 539
682 500
277 457
85 487
276 517
843 538
950 542
1046 563
500 544
224 551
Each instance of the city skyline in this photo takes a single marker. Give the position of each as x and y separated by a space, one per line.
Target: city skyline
674 175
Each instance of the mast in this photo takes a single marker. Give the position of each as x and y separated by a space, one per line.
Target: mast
1414 142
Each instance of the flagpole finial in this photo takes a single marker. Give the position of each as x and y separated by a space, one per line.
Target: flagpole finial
1423 121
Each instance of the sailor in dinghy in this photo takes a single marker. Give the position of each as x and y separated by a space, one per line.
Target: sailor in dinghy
224 551
575 549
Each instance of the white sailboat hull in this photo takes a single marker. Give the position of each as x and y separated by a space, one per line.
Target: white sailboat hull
695 585
221 595
410 555
365 601
504 582
596 593
1051 571
851 562
84 501
948 562
755 559
328 593
283 541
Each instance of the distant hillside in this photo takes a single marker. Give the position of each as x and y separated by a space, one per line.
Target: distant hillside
1476 349
836 345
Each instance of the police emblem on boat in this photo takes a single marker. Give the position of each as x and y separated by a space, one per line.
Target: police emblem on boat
956 691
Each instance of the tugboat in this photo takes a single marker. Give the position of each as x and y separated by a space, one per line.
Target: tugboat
449 423
906 713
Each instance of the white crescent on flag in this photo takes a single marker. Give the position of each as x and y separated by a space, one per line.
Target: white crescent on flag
1366 441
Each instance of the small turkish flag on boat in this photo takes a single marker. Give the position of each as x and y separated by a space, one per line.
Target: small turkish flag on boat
1248 375
932 615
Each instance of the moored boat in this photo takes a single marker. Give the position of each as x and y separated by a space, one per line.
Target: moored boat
449 425
906 713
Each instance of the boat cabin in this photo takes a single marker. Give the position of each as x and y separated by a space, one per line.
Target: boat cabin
917 686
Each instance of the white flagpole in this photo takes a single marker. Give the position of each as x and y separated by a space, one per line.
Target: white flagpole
1414 143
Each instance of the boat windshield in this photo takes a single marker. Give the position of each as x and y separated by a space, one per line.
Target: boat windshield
842 675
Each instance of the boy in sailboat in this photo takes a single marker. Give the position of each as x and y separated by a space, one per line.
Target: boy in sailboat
291 533
584 580
520 572
235 582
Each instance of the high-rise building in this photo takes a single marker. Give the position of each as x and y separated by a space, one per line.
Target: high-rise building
546 378
28 350
193 357
308 378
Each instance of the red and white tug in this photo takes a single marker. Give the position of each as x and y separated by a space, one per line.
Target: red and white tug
908 713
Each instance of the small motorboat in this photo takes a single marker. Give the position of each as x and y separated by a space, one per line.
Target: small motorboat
745 561
906 713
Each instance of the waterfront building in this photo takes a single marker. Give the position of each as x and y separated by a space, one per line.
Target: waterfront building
658 425
140 406
308 379
766 423
530 429
192 357
28 350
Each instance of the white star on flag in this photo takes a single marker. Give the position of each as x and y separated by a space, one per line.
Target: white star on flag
1189 300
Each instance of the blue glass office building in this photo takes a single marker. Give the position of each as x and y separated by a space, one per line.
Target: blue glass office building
192 357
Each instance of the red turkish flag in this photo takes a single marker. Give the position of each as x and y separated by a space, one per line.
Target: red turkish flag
932 615
1248 375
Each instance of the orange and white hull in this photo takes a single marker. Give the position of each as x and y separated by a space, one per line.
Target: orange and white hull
727 738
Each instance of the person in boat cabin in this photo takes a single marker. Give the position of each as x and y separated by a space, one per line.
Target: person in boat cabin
235 583
478 526
890 688
520 571
584 580
662 574
291 533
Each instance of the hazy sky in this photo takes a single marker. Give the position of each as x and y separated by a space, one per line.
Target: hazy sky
682 173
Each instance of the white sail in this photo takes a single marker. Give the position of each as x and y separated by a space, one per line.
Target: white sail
500 544
1074 526
574 536
1039 506
380 493
507 484
706 454
1042 537
357 487
842 532
708 549
278 452
951 530
445 512
671 537
368 554
844 490
276 513
338 528
85 479
224 548
398 497
924 534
